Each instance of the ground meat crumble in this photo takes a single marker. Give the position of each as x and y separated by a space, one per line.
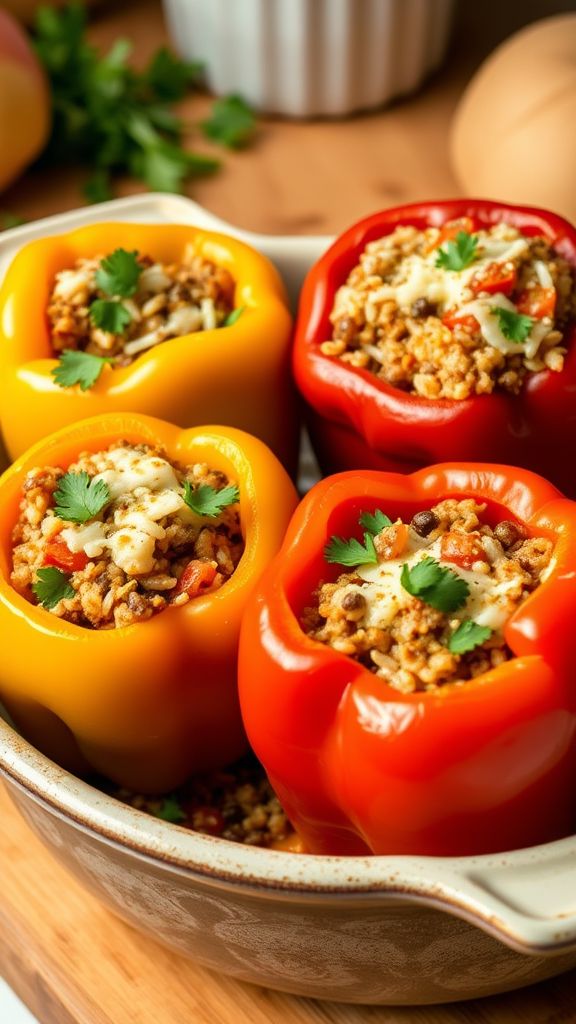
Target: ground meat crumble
130 572
366 614
171 300
432 331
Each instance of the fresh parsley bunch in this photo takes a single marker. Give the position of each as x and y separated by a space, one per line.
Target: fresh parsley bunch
118 120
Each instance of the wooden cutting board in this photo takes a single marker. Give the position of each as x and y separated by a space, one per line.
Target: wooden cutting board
67 957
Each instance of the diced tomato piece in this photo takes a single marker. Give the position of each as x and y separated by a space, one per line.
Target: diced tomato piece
454 318
58 553
462 549
451 229
197 576
497 277
537 301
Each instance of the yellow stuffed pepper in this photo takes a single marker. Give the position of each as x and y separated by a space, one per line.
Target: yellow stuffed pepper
170 321
128 549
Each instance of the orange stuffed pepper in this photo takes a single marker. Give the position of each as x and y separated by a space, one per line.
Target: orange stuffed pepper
128 549
170 321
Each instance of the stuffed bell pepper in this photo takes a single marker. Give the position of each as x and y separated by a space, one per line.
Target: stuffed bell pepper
167 320
407 670
128 548
443 331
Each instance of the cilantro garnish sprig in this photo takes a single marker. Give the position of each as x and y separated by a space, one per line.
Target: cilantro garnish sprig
207 501
458 253
52 586
119 273
110 315
233 316
351 552
467 636
117 120
514 326
80 497
435 584
77 367
171 810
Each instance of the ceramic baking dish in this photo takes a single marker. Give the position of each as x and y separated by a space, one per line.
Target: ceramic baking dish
364 929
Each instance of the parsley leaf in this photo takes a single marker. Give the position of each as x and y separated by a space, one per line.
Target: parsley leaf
374 523
351 552
51 586
171 810
110 315
78 368
458 253
514 326
231 123
98 98
80 497
207 501
467 636
434 584
233 316
119 273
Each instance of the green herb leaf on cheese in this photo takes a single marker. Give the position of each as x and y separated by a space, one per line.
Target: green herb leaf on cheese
207 501
119 273
434 584
80 497
52 586
514 326
458 253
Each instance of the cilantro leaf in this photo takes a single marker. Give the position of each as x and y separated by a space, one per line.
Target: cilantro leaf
233 316
171 810
52 585
467 636
207 501
80 497
78 368
374 523
458 253
514 326
434 584
232 123
97 98
119 273
110 315
169 77
351 552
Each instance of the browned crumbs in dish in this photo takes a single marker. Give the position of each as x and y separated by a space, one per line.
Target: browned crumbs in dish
476 575
237 804
451 312
169 300
123 534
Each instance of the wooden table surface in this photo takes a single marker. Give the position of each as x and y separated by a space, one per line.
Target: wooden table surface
68 958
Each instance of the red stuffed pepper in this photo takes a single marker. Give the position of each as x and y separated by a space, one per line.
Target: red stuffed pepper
443 331
407 667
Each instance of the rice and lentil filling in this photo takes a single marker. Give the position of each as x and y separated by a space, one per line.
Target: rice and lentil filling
123 534
430 603
452 312
120 305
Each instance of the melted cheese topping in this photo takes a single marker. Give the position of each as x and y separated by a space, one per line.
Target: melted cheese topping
489 602
146 489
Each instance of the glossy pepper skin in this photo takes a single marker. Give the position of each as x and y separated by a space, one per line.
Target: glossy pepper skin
237 375
357 420
360 767
147 704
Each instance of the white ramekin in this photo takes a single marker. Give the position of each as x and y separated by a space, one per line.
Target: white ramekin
307 58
